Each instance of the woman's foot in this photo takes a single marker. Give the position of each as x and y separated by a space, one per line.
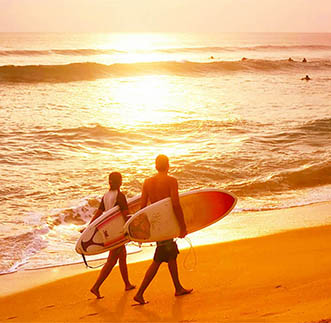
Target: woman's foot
183 291
96 292
129 287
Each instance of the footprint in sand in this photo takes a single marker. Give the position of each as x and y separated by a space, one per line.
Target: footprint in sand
48 306
91 314
270 314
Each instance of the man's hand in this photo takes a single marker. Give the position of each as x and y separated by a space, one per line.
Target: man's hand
183 233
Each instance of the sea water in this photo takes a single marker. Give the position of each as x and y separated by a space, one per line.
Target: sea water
230 110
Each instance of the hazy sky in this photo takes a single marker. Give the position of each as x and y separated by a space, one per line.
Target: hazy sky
165 15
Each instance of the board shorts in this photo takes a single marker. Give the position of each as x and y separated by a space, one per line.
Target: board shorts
165 251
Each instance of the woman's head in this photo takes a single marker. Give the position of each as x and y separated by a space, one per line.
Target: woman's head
115 180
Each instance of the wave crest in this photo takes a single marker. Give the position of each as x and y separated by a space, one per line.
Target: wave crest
65 52
91 71
307 177
175 50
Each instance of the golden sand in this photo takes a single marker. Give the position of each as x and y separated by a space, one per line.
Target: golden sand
284 277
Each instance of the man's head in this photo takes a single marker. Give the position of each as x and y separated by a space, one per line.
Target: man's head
162 163
115 180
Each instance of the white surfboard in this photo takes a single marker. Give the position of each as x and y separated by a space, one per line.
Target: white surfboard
201 208
106 232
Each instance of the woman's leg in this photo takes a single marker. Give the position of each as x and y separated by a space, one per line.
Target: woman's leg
105 271
124 268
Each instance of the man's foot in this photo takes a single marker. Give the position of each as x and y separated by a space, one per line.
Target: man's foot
96 293
129 287
140 300
183 291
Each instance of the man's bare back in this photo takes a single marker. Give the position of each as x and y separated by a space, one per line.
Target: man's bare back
159 187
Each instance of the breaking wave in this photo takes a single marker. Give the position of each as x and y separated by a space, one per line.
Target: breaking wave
302 178
91 71
66 52
218 49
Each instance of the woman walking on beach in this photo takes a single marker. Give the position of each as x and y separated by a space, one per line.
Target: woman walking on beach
112 198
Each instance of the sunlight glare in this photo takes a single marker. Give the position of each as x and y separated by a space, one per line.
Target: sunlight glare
139 41
138 47
145 100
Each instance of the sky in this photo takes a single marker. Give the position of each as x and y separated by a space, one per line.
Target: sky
165 15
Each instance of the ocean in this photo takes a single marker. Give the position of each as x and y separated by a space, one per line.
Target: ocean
229 109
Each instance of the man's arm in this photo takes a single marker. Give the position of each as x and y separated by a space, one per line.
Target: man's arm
144 195
177 208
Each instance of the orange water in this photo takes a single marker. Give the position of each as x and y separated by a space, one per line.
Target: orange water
252 127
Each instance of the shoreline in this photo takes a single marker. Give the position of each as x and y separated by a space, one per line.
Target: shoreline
223 231
284 277
279 277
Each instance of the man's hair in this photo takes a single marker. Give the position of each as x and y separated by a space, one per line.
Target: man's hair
115 180
161 163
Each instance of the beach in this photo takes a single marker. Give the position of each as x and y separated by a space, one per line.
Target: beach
282 277
76 106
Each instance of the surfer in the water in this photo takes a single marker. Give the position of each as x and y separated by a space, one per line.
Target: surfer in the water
156 188
306 78
113 197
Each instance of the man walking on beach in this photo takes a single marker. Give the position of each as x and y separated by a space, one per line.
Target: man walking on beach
156 188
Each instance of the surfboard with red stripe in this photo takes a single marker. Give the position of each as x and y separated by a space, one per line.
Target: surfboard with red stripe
106 232
201 208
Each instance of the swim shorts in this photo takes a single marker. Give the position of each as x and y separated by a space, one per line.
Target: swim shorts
165 251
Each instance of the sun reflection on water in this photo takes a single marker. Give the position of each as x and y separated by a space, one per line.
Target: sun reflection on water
138 47
138 41
143 100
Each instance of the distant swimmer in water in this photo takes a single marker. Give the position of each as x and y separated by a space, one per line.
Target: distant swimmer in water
244 59
211 57
304 60
306 78
290 60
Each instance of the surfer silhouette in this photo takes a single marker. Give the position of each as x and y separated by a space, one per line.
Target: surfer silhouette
113 197
156 188
306 78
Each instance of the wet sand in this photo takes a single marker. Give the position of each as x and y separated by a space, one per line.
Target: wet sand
285 277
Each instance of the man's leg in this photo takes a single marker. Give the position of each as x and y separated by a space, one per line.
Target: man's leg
150 274
180 290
